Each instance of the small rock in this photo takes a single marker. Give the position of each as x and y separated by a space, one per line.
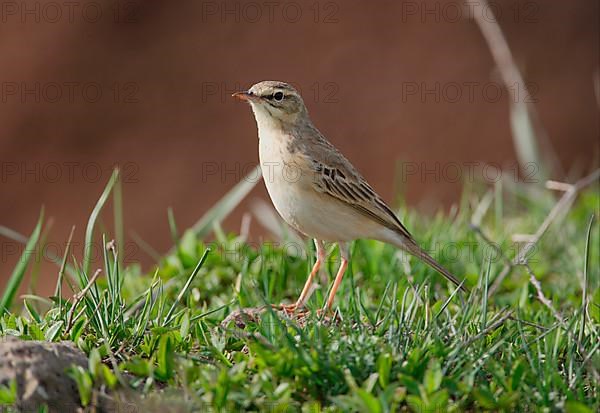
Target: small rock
39 370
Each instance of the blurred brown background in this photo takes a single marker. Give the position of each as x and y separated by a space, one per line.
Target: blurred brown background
146 85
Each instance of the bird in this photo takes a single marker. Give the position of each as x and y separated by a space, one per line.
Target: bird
316 190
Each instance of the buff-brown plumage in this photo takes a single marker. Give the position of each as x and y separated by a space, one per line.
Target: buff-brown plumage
326 198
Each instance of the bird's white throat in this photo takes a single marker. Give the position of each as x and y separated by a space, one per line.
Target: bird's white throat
265 121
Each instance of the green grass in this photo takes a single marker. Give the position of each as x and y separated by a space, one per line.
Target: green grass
406 339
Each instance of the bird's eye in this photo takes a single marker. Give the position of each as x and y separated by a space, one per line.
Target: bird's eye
278 96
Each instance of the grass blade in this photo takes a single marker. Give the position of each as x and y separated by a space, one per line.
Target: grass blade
89 231
186 287
484 303
173 227
118 214
18 273
525 139
61 272
226 204
586 257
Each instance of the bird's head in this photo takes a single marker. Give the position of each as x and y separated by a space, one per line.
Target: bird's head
274 102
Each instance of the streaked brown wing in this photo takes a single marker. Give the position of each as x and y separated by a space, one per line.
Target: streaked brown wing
335 176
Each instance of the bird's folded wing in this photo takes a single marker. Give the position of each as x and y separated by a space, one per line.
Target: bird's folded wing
334 175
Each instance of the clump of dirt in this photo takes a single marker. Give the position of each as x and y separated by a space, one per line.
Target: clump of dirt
39 371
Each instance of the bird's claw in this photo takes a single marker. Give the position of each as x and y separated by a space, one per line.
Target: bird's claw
289 309
301 313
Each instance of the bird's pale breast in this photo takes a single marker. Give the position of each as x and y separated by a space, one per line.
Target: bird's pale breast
289 182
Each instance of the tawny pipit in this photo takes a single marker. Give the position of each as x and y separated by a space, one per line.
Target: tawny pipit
315 188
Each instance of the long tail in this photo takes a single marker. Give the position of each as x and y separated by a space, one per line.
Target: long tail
411 247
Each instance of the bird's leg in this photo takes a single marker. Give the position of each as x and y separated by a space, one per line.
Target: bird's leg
306 291
338 278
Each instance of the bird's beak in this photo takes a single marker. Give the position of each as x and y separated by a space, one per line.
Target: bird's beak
243 95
